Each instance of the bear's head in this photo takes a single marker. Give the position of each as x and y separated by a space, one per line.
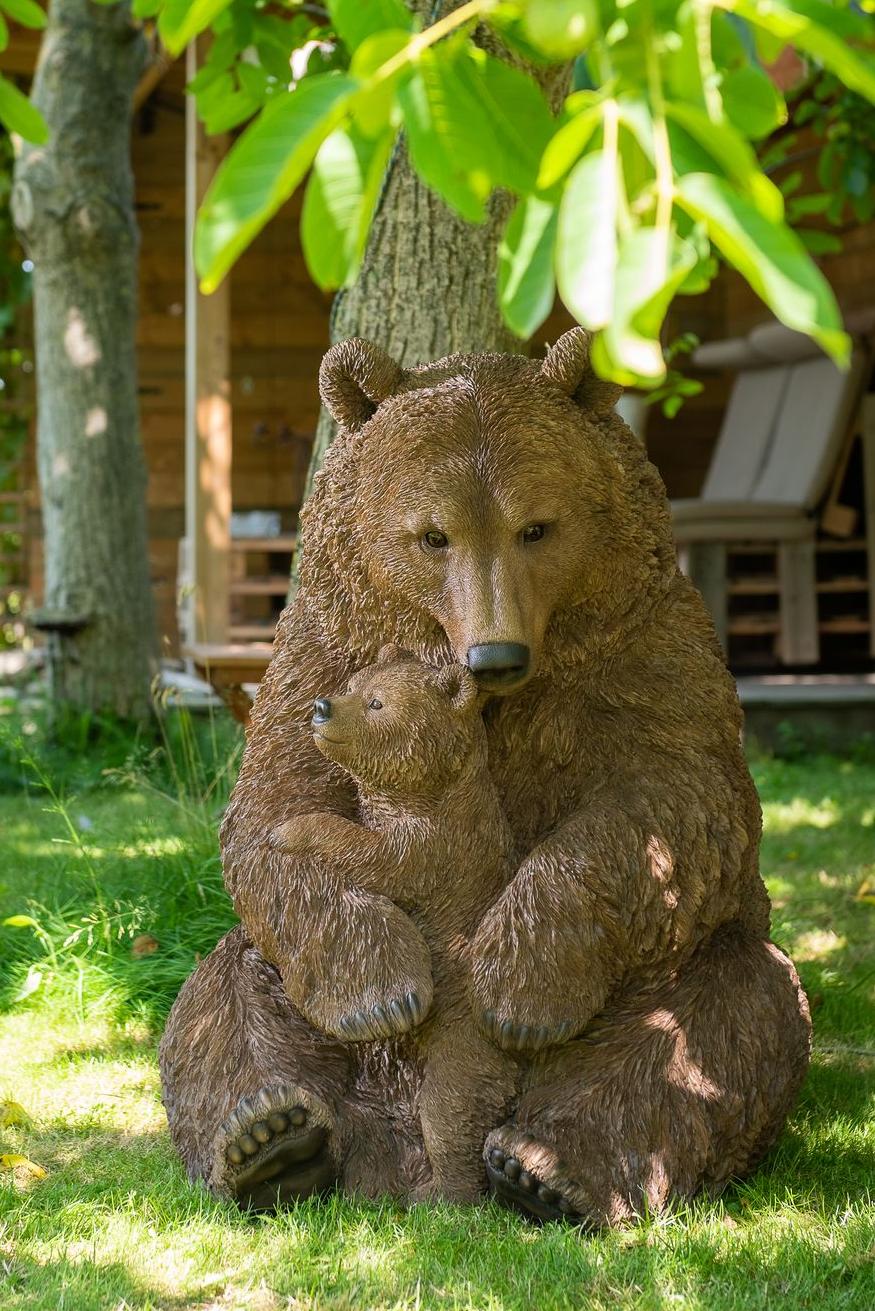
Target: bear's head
486 509
402 727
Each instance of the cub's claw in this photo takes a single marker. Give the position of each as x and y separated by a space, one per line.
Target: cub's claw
513 1037
398 1016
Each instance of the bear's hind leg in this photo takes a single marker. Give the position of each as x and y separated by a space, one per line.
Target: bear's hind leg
251 1089
468 1085
678 1086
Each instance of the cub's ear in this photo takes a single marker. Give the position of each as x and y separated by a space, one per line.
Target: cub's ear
391 653
459 684
567 365
355 377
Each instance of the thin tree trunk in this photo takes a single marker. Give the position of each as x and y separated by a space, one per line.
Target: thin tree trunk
427 285
73 207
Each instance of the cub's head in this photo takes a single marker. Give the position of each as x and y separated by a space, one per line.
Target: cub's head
490 509
401 727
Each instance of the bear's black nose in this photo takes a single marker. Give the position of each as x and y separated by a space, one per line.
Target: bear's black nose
321 710
499 662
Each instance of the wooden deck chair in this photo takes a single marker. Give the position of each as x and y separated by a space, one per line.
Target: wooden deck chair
783 431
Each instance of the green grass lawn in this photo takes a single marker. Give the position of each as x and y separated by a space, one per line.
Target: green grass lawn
123 886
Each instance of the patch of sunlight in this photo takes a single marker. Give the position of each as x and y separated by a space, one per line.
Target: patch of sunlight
817 943
782 816
152 846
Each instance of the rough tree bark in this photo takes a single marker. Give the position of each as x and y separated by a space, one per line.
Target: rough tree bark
73 207
427 285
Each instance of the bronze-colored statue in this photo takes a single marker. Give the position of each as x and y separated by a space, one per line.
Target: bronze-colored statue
433 840
494 512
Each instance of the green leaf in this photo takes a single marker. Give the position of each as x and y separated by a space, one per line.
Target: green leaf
181 20
17 114
473 123
356 20
651 266
373 106
26 12
263 168
567 145
770 257
562 28
20 922
526 283
735 157
586 245
514 122
333 224
230 111
752 102
819 243
146 8
436 134
4 33
821 30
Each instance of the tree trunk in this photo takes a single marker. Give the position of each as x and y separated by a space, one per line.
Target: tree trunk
73 206
427 285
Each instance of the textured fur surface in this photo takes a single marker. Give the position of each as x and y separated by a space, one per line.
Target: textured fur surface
633 924
432 839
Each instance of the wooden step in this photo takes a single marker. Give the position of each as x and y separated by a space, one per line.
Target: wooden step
286 544
251 632
850 584
764 586
261 585
844 624
841 544
753 625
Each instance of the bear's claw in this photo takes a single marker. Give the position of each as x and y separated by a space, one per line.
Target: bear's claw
514 1037
384 1021
275 1148
515 1186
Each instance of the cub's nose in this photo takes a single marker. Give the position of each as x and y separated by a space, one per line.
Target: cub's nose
321 710
495 663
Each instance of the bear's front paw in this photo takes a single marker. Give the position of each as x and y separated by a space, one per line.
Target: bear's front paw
376 980
519 1035
384 1019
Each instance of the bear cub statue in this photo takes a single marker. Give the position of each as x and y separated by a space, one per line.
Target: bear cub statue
432 839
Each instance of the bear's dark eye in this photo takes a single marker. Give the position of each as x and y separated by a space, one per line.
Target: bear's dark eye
435 540
376 704
533 533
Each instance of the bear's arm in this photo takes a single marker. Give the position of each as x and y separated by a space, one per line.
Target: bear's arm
383 861
341 952
637 877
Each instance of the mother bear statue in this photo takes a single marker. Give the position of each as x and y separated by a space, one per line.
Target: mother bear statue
494 511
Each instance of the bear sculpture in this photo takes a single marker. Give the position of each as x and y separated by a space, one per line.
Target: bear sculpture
495 511
434 840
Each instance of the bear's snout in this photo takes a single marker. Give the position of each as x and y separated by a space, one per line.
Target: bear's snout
496 663
321 710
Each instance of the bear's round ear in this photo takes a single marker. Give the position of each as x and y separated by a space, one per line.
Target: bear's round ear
567 365
391 653
354 378
459 684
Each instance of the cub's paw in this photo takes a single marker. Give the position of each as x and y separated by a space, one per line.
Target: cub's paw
274 1147
527 1177
376 982
518 1036
384 1019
